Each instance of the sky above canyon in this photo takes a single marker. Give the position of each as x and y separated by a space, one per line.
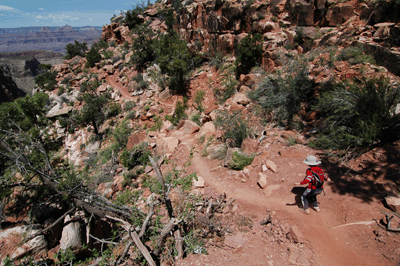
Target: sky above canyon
27 13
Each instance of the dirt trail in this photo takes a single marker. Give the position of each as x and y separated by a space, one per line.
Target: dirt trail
112 80
326 243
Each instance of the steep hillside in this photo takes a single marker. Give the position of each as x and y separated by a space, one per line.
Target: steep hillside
178 140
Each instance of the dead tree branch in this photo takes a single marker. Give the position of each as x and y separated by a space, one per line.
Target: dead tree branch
388 221
142 248
165 231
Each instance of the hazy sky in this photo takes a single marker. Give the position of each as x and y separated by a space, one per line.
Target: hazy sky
25 13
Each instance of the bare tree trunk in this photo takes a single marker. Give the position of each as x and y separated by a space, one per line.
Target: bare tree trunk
178 243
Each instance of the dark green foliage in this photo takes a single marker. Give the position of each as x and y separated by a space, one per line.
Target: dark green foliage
113 110
179 112
141 83
92 57
240 160
198 99
45 66
174 58
282 96
121 135
248 53
133 18
92 111
129 106
75 49
355 55
234 126
139 155
47 80
25 113
358 114
143 47
101 44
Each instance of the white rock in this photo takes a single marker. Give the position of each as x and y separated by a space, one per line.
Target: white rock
199 183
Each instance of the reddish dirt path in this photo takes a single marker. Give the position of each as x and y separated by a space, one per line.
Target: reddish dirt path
112 80
325 242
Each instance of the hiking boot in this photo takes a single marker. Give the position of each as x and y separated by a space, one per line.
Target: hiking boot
317 209
304 211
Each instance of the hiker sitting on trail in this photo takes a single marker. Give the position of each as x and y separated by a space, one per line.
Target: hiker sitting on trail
315 178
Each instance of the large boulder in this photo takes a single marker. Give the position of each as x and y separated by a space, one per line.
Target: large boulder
166 145
72 234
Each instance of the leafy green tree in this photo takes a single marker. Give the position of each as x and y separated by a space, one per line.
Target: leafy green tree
143 47
74 49
93 109
248 53
174 56
92 57
133 17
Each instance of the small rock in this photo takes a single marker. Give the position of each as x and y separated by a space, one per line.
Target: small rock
393 202
262 180
271 166
295 235
199 183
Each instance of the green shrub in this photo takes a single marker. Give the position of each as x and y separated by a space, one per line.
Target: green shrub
158 123
47 81
179 112
113 110
139 155
134 18
282 96
128 106
60 91
74 49
196 118
101 44
358 114
234 127
143 47
355 55
92 57
198 99
107 54
248 53
240 160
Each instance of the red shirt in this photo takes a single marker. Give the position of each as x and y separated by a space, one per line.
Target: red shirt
309 179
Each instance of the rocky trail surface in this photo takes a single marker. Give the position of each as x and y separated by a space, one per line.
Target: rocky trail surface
345 232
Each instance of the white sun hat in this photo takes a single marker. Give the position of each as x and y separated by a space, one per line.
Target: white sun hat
311 160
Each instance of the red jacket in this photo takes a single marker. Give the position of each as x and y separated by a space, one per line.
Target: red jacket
309 179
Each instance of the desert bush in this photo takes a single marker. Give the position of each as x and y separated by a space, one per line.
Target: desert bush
133 18
143 47
229 86
100 44
139 155
234 127
179 112
92 57
248 53
283 95
129 106
113 110
240 160
107 54
196 118
46 81
74 49
198 99
355 55
358 114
